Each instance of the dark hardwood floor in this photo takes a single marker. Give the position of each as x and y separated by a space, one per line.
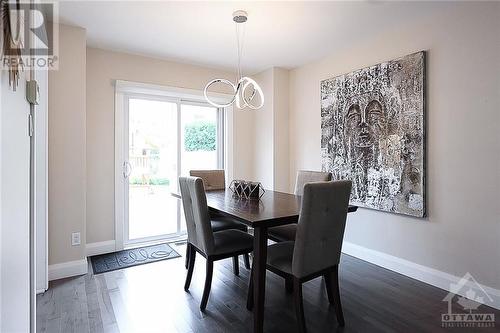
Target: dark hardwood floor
151 298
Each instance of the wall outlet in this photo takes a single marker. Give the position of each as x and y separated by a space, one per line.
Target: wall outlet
75 239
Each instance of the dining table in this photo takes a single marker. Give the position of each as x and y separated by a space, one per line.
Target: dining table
272 209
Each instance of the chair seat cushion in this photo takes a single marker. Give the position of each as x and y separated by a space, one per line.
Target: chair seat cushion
232 240
220 223
283 233
280 256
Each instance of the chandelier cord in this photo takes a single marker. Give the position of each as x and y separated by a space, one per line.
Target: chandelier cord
240 37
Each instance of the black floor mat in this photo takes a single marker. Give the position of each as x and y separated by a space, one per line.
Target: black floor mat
131 257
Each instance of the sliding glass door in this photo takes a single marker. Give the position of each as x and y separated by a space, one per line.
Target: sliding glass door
164 138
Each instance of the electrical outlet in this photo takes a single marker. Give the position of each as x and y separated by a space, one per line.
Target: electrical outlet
75 239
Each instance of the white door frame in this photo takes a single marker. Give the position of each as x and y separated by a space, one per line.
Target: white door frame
123 91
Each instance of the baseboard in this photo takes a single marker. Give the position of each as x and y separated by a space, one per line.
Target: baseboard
422 273
68 269
92 249
40 291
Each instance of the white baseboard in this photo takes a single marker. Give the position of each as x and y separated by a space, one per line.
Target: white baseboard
68 269
422 273
40 291
93 249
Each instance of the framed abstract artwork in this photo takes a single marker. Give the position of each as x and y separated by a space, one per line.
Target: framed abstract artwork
373 132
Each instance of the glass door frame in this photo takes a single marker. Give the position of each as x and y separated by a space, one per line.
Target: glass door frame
129 88
131 242
179 102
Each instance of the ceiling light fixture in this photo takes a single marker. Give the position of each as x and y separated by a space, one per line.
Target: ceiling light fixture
246 89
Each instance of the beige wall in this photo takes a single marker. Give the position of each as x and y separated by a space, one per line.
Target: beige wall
243 141
67 152
263 141
103 67
269 137
462 231
281 129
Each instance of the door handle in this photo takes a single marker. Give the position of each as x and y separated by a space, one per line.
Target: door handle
127 169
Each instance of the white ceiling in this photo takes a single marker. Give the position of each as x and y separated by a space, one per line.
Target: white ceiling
283 34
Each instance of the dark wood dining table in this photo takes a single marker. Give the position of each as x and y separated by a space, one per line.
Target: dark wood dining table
272 209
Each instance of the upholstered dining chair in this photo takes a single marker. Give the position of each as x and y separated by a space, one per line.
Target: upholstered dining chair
212 179
201 237
316 249
286 232
216 180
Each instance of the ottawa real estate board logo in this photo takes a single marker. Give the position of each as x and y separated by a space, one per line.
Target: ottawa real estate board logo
465 305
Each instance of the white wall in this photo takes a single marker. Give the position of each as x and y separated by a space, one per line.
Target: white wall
462 231
15 233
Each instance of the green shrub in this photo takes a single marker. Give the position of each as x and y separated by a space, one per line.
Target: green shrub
200 136
152 181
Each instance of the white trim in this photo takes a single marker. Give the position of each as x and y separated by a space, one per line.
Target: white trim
68 269
119 157
40 291
41 183
416 271
124 90
123 86
92 249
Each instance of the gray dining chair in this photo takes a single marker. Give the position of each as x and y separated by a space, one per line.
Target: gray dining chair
287 232
216 180
202 239
317 246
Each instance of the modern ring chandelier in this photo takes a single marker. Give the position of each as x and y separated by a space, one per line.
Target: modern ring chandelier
246 89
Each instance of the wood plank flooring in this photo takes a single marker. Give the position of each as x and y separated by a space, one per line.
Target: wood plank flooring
151 298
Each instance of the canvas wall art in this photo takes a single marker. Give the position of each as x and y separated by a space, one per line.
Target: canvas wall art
373 132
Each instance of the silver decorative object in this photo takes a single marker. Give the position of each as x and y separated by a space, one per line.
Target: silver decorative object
247 189
246 89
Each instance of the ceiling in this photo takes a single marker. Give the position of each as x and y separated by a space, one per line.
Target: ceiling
282 34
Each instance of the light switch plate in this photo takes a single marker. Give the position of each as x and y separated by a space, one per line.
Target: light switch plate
75 239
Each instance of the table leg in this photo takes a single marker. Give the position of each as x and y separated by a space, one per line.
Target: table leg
259 277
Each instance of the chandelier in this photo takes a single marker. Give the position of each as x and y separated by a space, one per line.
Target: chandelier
246 89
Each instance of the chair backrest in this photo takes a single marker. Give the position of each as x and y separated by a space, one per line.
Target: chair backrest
304 177
198 225
212 179
321 226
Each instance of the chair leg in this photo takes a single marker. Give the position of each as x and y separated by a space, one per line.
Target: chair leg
299 307
188 248
208 284
236 266
250 292
246 258
335 290
191 258
289 285
328 284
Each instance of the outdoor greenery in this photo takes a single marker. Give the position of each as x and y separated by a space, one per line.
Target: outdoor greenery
200 136
150 181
